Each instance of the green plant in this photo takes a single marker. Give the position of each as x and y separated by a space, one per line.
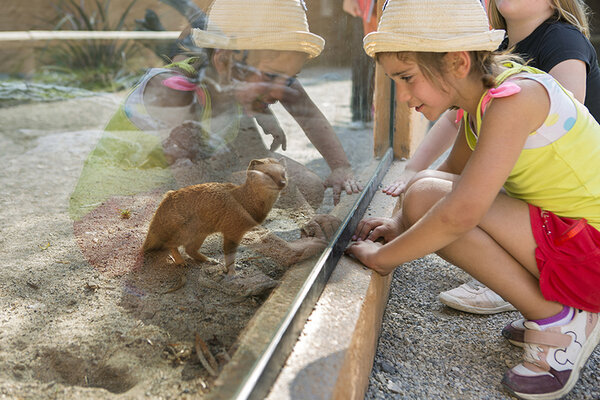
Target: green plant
96 64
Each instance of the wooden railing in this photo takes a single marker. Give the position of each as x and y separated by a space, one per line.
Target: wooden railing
44 36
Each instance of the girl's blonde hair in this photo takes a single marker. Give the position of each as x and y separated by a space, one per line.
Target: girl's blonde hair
487 64
574 12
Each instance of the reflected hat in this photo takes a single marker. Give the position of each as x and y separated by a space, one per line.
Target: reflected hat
258 25
432 26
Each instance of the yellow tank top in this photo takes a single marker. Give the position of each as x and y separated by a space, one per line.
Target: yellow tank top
559 167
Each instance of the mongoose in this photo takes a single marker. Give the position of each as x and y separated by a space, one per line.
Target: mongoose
185 217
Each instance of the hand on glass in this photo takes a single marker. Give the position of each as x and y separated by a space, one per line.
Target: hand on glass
342 178
365 251
400 184
374 228
321 226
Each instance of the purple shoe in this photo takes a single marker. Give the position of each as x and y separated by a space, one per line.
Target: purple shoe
515 332
553 357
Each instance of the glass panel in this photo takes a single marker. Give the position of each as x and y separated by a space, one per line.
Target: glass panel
120 272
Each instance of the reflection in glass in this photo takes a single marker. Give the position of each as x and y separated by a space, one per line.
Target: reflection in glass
251 138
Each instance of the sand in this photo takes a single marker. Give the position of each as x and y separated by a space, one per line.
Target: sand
83 320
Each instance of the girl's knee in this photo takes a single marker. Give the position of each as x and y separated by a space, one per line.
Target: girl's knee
432 174
422 195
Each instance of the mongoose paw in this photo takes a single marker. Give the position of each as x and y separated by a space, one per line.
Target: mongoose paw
176 256
321 226
211 260
230 270
180 263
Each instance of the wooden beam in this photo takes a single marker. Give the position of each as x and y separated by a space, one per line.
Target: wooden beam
409 129
409 126
382 97
381 120
25 36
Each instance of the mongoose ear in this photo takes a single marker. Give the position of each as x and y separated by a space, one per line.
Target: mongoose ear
254 163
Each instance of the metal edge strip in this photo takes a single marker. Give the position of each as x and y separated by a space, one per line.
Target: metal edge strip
268 365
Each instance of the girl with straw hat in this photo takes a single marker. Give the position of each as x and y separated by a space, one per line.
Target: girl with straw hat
517 202
552 35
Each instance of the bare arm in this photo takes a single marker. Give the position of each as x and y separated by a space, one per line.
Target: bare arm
572 75
321 134
459 155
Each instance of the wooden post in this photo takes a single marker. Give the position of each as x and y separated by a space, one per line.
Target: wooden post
381 122
409 126
382 97
409 129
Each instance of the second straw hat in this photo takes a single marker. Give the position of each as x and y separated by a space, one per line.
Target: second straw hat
258 25
432 26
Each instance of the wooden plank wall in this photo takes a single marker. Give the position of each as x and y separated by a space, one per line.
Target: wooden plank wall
409 127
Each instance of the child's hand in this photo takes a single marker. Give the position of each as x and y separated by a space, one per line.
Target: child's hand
400 184
270 126
301 249
351 7
279 139
365 251
342 179
375 228
321 226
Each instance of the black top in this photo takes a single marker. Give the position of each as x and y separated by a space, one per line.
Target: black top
553 42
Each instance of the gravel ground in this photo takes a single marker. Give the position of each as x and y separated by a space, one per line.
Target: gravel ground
429 351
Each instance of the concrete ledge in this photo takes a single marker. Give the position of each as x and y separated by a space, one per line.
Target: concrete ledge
333 357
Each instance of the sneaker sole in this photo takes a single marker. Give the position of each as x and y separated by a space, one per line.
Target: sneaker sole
515 336
452 303
587 350
515 343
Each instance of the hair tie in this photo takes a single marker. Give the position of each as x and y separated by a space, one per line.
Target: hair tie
184 85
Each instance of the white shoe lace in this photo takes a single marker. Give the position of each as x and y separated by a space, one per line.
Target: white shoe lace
474 284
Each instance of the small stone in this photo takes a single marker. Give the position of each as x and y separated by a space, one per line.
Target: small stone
394 387
387 367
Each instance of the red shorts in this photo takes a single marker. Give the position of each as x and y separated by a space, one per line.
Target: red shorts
568 258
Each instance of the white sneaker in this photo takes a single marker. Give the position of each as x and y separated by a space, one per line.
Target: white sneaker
476 298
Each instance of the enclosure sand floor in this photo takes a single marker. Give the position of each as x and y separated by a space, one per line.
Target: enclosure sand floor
70 330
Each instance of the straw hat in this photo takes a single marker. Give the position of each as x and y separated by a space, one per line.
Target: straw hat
258 25
432 26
